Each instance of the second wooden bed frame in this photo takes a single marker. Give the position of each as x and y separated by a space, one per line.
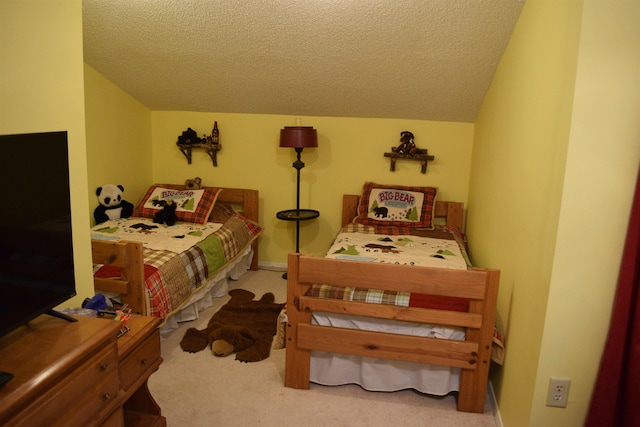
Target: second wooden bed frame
472 355
128 256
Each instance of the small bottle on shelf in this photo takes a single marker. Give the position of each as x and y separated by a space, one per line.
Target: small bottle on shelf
215 134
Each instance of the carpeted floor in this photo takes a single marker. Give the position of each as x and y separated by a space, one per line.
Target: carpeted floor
202 390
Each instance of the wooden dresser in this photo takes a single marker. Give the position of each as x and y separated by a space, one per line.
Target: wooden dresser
80 373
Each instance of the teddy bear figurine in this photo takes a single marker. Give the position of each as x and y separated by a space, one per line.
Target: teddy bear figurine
166 215
242 326
193 184
407 145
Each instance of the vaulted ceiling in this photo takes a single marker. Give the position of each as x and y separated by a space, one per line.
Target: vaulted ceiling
412 59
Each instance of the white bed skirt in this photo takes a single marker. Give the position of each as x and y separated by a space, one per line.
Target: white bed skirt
378 374
215 287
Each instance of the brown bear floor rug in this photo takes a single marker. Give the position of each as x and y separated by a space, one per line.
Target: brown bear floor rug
242 326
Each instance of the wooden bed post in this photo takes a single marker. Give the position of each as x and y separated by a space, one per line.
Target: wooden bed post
251 211
473 382
296 374
134 274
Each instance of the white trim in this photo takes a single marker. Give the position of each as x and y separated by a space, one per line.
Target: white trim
279 266
494 405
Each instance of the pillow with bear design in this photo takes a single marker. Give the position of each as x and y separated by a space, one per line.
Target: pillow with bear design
193 205
396 206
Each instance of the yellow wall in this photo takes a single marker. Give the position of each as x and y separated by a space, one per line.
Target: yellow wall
600 176
350 152
41 81
118 139
556 145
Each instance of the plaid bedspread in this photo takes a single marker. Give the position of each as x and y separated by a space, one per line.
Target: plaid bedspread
170 278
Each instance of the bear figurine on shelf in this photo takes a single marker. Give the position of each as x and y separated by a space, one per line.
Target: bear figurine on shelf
189 136
407 145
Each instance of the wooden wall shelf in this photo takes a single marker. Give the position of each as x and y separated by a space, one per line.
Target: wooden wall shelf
210 149
421 156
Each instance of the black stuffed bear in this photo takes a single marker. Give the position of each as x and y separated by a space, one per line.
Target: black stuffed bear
167 215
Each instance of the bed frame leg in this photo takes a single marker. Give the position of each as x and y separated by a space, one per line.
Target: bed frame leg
298 361
473 383
297 366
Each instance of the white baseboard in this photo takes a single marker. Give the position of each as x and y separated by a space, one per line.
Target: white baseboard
494 405
279 266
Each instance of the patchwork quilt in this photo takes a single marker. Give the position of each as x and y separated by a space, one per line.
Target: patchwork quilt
179 259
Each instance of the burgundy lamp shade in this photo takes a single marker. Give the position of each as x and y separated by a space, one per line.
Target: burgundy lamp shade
298 137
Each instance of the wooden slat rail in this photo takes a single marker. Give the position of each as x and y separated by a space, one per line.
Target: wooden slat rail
473 354
424 280
460 354
382 311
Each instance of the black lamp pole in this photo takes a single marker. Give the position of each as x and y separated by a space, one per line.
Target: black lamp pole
298 164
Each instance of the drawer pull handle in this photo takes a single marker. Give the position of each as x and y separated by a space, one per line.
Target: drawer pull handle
106 396
104 366
143 361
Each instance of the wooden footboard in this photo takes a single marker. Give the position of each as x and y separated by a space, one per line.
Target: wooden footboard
128 257
473 355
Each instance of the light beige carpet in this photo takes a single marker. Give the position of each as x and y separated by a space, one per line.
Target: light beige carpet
202 390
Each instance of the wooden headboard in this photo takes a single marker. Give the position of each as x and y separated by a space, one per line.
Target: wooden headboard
245 201
451 212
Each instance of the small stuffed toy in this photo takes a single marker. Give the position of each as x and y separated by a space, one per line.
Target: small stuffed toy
193 184
166 215
242 326
111 206
407 145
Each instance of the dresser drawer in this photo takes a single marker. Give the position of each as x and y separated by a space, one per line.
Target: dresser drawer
91 391
141 362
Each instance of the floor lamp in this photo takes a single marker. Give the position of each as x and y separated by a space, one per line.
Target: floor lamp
298 137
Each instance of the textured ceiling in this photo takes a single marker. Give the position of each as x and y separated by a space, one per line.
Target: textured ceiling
413 59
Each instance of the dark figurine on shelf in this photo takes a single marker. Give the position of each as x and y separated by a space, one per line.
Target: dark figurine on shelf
407 145
189 137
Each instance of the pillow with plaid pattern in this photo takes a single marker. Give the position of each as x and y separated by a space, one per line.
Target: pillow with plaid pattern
396 206
193 205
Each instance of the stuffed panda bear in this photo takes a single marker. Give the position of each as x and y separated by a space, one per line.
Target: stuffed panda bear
111 206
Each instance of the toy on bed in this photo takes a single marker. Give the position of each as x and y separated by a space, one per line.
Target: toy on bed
111 206
241 326
193 184
166 215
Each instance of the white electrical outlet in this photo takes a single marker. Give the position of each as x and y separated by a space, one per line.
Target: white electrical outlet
558 392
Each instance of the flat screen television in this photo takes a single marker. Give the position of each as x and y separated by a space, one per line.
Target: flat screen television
36 249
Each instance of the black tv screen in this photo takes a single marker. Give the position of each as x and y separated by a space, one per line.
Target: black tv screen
36 249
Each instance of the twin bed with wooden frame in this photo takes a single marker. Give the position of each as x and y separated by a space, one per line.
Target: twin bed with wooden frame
128 256
477 285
